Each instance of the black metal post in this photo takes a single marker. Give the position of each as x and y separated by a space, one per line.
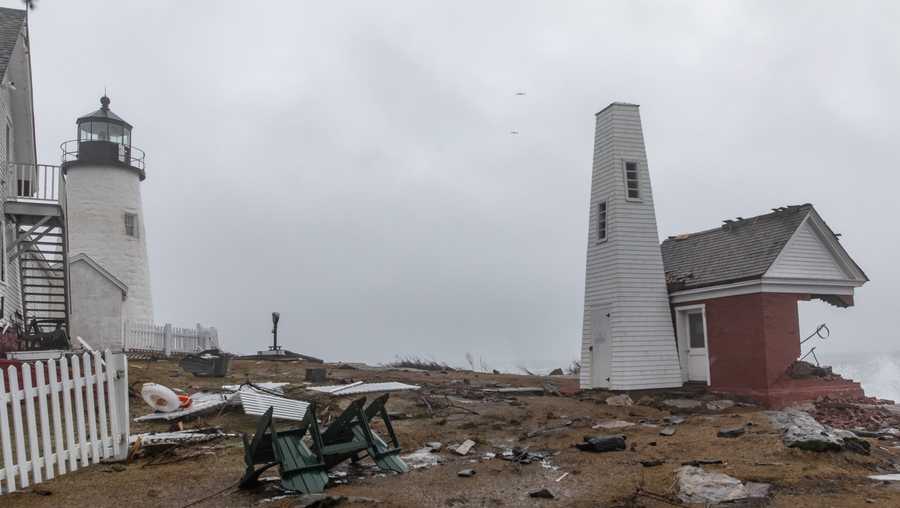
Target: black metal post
275 317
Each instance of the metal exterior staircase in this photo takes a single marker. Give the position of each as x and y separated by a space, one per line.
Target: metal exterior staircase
35 203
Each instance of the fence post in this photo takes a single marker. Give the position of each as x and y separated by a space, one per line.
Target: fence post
168 339
119 367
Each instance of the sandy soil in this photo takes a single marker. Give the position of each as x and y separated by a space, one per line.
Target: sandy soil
207 474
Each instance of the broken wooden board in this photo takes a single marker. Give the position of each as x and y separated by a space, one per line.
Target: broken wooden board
518 390
359 387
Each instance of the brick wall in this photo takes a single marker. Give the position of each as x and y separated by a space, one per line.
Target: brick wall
752 339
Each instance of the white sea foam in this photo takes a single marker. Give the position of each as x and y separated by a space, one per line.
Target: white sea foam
879 373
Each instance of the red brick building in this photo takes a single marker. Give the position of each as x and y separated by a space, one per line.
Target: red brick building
734 292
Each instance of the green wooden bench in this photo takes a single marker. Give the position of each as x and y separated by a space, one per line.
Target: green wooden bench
304 468
300 468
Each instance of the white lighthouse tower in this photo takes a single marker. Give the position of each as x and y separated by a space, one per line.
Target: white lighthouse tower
106 240
628 341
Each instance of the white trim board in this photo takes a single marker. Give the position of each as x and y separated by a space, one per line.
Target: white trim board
767 285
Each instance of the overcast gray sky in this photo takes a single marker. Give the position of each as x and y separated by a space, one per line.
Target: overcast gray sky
351 164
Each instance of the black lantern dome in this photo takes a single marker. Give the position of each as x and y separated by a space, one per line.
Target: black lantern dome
103 137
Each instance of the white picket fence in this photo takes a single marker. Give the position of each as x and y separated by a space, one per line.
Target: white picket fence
168 339
75 414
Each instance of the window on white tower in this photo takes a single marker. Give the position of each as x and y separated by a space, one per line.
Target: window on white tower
631 181
601 221
131 225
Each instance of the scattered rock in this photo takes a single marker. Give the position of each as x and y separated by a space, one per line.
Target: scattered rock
466 473
619 400
555 372
41 491
732 432
702 462
602 444
612 424
542 494
465 447
326 501
885 477
803 431
652 463
803 370
434 446
682 403
698 486
674 419
719 405
667 431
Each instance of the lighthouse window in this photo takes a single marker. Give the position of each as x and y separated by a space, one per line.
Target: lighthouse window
601 221
131 224
631 181
84 131
100 131
116 133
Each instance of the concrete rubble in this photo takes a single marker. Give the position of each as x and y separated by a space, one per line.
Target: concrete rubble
465 447
612 424
800 430
682 403
619 400
719 405
696 485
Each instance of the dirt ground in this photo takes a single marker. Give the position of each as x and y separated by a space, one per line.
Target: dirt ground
206 474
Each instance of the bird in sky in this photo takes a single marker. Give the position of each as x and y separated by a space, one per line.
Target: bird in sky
513 132
520 93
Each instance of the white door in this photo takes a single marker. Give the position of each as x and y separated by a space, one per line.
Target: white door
698 358
600 346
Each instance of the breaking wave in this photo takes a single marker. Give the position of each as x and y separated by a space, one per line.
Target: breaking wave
879 373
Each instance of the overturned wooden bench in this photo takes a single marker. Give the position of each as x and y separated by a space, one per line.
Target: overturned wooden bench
304 467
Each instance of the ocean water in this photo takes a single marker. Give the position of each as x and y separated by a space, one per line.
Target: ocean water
879 373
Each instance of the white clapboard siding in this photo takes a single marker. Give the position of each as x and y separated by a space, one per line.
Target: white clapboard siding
44 434
805 256
624 273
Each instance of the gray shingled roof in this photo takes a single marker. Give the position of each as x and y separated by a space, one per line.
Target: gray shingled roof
738 251
11 21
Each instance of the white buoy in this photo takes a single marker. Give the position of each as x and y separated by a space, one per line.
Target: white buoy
160 397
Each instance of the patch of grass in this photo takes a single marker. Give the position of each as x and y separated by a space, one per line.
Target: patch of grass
415 362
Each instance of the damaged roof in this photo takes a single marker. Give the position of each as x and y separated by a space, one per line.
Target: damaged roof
739 250
11 21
